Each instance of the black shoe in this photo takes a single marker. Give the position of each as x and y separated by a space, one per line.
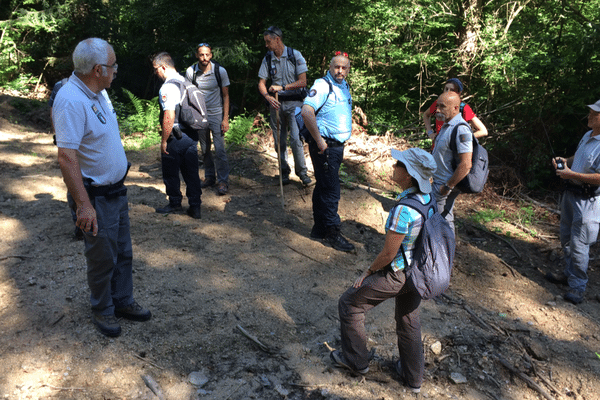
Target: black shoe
170 209
317 233
107 325
208 182
305 180
338 359
222 188
574 296
558 279
403 379
133 312
338 242
285 179
194 212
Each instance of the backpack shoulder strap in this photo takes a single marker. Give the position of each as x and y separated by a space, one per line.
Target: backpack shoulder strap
423 209
330 91
291 56
453 138
218 74
268 58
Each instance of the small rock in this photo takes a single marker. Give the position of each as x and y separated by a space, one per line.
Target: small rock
436 348
197 378
281 390
457 378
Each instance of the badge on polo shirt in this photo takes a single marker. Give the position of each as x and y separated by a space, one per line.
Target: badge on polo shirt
464 138
312 93
98 114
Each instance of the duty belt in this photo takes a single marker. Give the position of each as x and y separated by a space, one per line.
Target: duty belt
332 142
584 190
109 191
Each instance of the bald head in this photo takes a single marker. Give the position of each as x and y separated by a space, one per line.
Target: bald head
339 68
448 106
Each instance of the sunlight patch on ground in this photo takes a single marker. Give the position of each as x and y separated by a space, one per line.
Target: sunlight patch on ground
18 231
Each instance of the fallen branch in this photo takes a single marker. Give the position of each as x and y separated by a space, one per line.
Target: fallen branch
301 253
512 270
153 386
481 322
146 361
531 383
61 388
498 237
260 345
14 256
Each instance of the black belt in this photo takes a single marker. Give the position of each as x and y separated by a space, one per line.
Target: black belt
584 190
109 191
332 142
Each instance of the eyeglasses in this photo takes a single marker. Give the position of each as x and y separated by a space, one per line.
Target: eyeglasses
114 67
204 45
339 53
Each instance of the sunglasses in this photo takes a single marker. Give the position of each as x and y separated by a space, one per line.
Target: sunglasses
339 53
272 30
204 45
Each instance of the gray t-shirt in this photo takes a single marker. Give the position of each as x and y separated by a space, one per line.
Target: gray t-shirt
284 70
442 153
207 83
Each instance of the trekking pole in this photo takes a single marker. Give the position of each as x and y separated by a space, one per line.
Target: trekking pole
278 147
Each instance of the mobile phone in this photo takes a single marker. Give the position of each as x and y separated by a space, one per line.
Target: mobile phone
560 164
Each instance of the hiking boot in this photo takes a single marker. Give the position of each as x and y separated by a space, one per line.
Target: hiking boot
208 182
338 360
335 239
305 180
317 233
170 209
107 325
222 188
558 279
194 212
403 379
285 179
133 312
574 296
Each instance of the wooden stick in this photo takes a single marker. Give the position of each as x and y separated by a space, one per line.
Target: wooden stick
146 361
278 148
531 383
263 347
153 386
61 388
498 237
301 253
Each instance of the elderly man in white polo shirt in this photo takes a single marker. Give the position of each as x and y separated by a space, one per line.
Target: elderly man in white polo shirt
94 167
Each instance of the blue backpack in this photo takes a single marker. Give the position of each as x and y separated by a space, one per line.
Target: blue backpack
302 129
433 254
475 180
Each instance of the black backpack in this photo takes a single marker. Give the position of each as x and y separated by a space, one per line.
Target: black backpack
286 95
302 129
433 254
477 176
191 111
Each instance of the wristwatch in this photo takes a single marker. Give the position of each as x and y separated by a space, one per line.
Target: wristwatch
283 87
450 188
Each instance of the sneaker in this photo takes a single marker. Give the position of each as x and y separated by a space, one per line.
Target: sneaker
133 312
194 212
305 180
222 188
107 325
337 241
170 209
558 279
339 361
208 182
574 296
401 375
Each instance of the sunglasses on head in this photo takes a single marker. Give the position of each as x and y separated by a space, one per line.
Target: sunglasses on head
204 45
339 53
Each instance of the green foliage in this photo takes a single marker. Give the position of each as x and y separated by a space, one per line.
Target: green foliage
488 215
240 127
139 118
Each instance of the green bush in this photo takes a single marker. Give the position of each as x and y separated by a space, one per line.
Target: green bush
239 128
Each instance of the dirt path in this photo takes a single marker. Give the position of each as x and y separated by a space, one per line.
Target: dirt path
250 264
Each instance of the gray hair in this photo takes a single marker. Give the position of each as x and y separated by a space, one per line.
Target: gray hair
91 52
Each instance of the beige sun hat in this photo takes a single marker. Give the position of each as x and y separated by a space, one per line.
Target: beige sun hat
419 164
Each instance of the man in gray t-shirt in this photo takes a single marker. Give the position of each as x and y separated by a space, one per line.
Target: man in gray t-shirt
445 177
287 72
213 81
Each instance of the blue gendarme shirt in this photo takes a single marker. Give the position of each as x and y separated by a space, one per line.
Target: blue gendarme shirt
334 120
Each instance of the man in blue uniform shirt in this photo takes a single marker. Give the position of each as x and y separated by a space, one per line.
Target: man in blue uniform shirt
330 128
580 208
94 166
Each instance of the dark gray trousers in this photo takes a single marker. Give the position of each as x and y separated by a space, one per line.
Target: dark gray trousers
376 288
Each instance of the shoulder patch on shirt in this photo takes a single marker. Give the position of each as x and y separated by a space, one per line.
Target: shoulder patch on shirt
312 93
464 138
164 98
